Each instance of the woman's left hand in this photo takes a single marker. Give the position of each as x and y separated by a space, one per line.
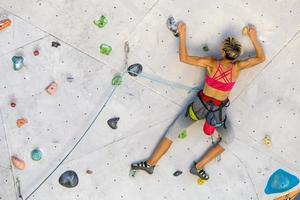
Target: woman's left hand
181 28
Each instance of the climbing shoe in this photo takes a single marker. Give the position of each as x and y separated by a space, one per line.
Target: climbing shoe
199 172
143 166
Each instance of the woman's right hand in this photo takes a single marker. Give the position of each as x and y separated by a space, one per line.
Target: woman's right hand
252 32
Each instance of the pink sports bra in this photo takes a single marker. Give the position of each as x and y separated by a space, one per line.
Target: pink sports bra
214 82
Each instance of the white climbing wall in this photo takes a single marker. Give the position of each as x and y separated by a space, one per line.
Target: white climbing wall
265 101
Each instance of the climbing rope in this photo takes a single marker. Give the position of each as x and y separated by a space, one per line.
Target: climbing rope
166 82
126 49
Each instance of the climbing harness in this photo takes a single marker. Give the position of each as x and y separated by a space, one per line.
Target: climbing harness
214 114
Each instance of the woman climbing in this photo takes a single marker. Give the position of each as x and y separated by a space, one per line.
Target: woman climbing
211 102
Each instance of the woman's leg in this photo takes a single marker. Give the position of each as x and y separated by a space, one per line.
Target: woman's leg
226 135
181 122
160 150
211 154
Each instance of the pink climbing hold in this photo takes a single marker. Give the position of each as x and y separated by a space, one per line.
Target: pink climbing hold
51 88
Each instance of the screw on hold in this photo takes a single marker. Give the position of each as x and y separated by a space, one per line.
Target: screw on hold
70 78
105 49
88 171
101 21
13 104
5 24
55 44
69 179
36 52
182 135
21 122
245 30
172 26
18 163
113 122
36 154
135 69
18 62
200 181
117 80
267 141
177 173
205 48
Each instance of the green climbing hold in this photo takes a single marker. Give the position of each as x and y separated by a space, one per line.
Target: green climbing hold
205 48
117 80
182 135
105 49
36 154
101 22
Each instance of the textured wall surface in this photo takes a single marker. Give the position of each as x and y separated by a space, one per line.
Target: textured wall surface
265 101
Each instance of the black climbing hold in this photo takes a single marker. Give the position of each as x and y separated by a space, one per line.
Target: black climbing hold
177 173
135 69
55 44
113 122
69 179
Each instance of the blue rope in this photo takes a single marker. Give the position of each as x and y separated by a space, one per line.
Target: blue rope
166 82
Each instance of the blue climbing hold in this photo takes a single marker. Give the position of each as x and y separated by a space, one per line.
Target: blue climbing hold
281 181
18 62
36 154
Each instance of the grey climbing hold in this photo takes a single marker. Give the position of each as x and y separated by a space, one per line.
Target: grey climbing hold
69 179
177 173
70 78
205 48
113 122
55 44
172 26
135 69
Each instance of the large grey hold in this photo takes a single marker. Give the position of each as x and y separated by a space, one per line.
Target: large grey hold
135 69
69 179
113 122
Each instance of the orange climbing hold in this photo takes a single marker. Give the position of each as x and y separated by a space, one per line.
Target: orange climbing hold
51 88
21 122
18 163
4 24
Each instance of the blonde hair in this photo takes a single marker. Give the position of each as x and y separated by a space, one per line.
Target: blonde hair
232 48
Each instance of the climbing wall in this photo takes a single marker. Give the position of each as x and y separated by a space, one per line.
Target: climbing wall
70 127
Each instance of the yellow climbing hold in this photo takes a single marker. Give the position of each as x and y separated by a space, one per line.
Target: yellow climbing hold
200 181
267 141
245 30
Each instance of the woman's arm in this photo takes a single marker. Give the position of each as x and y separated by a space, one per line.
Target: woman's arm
260 55
183 54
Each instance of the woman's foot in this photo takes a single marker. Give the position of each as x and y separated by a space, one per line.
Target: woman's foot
199 172
143 166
